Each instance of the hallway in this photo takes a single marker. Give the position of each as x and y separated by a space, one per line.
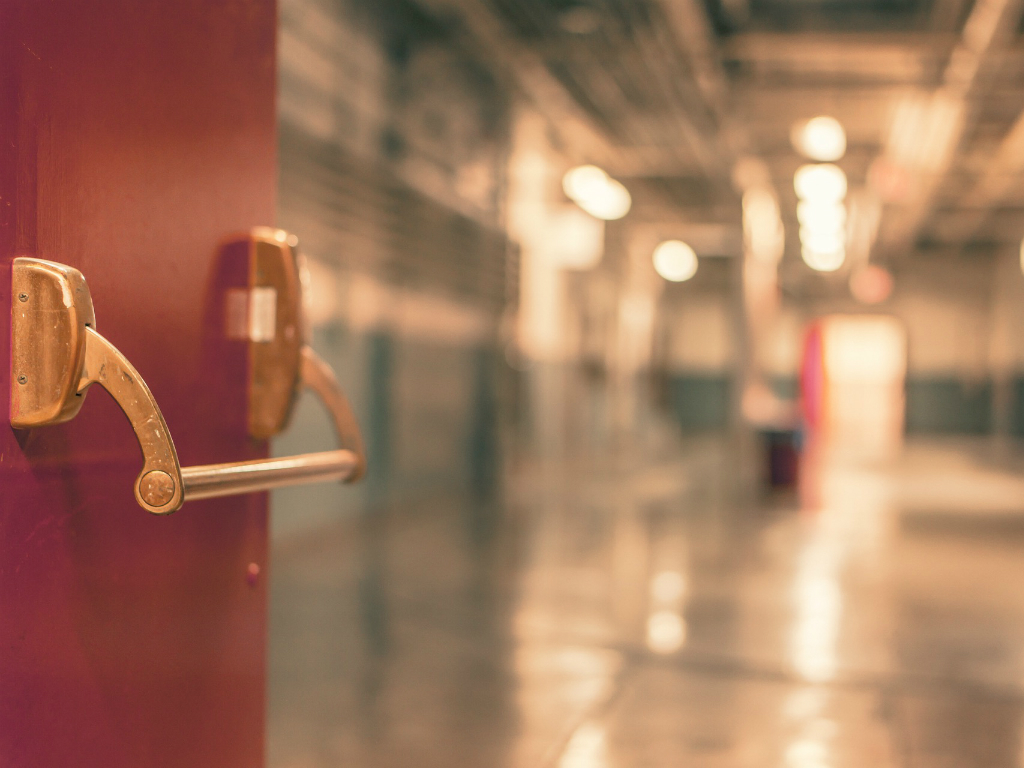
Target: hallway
538 227
492 384
624 615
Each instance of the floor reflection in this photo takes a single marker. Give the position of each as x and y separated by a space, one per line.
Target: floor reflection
627 614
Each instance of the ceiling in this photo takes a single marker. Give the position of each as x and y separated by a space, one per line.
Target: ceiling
930 92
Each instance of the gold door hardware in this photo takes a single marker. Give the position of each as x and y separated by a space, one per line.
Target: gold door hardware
57 354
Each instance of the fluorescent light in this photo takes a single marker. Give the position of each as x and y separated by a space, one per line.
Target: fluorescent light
583 180
666 632
675 261
821 138
823 261
822 242
610 202
597 193
821 217
820 183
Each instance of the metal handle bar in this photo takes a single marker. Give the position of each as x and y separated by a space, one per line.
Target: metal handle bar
164 485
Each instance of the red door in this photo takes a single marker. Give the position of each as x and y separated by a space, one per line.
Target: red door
134 136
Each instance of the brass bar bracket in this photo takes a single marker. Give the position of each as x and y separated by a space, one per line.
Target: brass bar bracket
347 465
318 377
57 355
158 488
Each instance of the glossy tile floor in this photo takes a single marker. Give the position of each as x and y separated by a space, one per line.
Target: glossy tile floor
623 615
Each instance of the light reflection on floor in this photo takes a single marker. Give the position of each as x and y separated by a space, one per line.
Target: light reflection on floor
630 615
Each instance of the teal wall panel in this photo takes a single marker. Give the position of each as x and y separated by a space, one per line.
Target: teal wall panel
700 401
948 405
1016 407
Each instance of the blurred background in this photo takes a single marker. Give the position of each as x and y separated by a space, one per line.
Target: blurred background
687 339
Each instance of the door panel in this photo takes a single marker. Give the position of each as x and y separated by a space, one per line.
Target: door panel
134 137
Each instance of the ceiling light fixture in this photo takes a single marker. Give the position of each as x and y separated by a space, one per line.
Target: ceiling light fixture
675 261
597 193
823 261
821 217
610 202
822 242
583 180
820 183
821 138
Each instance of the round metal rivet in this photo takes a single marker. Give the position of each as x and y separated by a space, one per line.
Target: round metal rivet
156 488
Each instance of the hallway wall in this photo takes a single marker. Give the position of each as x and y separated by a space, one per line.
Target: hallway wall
965 339
946 308
392 147
699 361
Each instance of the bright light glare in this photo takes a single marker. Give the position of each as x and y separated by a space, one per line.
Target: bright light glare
807 753
821 217
588 748
675 261
822 138
823 261
820 183
865 347
597 193
583 181
666 632
818 601
821 242
611 202
1022 256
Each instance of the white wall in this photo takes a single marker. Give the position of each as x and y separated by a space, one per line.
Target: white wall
947 334
700 334
1006 344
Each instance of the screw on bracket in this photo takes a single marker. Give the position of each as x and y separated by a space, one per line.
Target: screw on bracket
157 488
